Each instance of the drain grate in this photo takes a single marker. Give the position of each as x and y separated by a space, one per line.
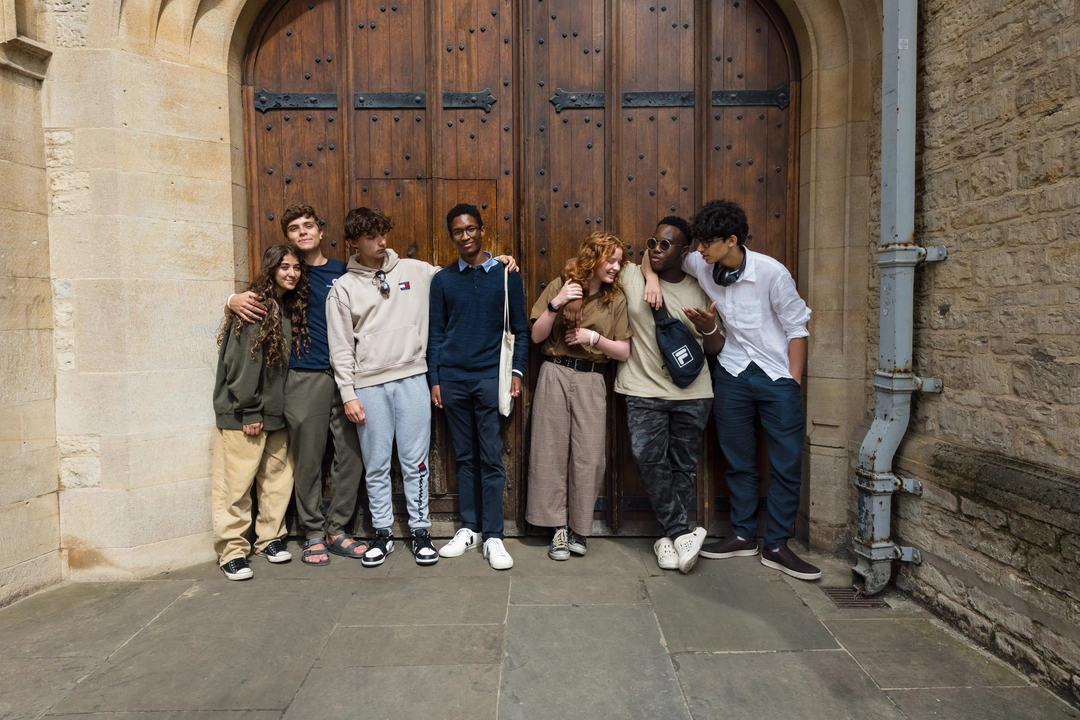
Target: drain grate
846 598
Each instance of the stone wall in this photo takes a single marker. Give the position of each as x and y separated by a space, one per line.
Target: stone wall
29 513
998 182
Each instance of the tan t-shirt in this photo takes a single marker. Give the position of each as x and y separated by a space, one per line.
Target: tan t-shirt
608 319
644 375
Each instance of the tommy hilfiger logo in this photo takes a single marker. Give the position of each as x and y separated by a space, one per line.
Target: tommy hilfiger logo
404 285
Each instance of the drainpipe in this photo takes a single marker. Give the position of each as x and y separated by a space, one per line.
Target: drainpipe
898 255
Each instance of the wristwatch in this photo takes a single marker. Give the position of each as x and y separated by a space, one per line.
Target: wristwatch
552 308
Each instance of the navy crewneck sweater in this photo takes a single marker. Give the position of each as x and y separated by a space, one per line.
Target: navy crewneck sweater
466 323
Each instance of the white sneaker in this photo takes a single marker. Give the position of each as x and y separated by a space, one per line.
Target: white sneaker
496 554
666 557
688 546
463 540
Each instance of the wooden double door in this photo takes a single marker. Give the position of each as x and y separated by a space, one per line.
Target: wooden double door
555 117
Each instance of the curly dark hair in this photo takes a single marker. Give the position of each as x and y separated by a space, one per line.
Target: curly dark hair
720 219
596 248
679 224
366 221
297 211
268 337
464 209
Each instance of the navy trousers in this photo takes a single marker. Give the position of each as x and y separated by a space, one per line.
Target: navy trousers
472 414
739 400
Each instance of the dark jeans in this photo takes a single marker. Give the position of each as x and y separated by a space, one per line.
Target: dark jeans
472 413
778 403
665 440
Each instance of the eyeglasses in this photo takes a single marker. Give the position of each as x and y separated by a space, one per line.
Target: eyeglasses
704 244
664 245
459 233
380 280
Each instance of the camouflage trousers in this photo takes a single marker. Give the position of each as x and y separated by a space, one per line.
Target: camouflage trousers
665 441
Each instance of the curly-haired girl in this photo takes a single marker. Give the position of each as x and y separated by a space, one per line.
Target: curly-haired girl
569 415
251 444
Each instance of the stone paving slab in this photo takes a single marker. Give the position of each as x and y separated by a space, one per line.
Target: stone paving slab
587 662
908 652
429 601
753 686
83 620
1021 703
221 646
579 590
170 715
413 645
30 686
438 692
748 612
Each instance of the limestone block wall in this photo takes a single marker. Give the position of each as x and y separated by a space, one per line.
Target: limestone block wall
999 451
29 505
144 217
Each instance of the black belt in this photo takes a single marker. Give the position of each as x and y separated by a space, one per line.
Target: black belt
576 364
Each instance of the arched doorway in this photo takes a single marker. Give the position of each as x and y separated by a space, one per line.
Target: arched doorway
554 116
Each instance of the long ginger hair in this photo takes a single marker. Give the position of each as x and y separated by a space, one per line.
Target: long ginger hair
596 249
269 336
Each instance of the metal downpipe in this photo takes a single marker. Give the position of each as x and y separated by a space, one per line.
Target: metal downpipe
894 380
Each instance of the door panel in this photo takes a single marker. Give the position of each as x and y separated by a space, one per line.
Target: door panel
556 117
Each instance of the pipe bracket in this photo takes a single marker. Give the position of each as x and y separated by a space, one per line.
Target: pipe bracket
908 554
910 486
934 253
930 385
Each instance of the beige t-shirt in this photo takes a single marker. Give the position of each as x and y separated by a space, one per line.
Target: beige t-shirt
608 319
644 375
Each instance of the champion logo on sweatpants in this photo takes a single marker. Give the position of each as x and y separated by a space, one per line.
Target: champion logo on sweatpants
404 285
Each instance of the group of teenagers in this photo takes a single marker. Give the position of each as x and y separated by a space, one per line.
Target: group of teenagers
356 354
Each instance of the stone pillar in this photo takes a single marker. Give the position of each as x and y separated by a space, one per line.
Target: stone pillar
142 231
29 514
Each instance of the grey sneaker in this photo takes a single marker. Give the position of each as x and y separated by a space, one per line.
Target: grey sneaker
786 561
560 546
577 544
731 546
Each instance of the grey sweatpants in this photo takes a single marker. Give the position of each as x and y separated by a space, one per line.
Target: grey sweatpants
401 409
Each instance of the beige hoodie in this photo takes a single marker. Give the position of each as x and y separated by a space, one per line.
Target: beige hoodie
373 339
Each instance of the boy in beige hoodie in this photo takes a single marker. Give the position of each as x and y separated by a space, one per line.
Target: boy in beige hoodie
377 325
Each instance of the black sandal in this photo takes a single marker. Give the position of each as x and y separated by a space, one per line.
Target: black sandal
355 551
306 556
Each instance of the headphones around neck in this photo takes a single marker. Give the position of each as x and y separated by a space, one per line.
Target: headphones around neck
725 276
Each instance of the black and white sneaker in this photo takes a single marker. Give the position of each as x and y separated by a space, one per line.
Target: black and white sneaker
576 543
559 549
422 549
275 552
381 546
237 569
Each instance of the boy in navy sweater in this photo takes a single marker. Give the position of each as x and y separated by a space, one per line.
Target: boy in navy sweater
464 339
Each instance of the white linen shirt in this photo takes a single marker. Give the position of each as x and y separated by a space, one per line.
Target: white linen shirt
762 312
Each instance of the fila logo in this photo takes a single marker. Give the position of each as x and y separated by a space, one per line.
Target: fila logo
682 356
403 285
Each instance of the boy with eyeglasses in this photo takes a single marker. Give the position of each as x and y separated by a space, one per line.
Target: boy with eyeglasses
377 321
464 347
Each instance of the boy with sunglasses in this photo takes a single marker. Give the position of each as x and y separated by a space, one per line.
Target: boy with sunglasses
377 322
665 421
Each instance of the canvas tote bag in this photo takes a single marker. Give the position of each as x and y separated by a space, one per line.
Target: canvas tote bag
506 355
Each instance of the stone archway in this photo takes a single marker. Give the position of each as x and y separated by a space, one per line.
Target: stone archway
148 233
